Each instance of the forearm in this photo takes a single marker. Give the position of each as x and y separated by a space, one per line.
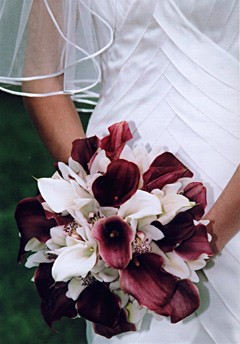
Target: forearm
225 214
57 122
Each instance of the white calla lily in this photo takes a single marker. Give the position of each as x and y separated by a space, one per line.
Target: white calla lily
122 296
127 154
197 264
173 204
100 163
176 202
69 174
150 232
171 188
75 261
75 287
62 195
142 158
77 168
177 265
58 238
37 258
107 275
58 193
71 241
115 285
135 312
34 245
140 205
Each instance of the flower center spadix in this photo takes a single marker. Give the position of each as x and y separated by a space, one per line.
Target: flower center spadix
114 233
136 262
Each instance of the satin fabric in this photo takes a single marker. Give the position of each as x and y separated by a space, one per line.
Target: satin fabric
170 68
172 72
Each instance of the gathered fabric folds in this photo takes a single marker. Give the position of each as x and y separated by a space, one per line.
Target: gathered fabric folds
168 67
173 73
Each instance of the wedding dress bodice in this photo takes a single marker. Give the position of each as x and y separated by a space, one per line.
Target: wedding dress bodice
172 72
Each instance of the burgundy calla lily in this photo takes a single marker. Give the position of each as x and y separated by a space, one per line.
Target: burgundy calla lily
60 220
32 223
196 192
113 143
114 237
184 301
177 230
145 275
84 149
55 304
165 169
118 184
98 304
122 326
196 245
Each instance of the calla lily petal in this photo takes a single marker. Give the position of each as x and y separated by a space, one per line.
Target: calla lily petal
152 233
135 312
36 259
113 143
140 205
176 266
107 275
123 325
75 287
184 301
118 184
34 245
58 193
60 220
179 229
99 163
165 169
176 203
84 149
32 223
114 237
196 192
74 261
55 303
98 304
169 295
196 245
143 276
68 174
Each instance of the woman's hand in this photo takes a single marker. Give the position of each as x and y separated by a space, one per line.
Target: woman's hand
225 214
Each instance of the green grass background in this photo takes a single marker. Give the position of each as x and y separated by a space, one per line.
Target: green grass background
22 156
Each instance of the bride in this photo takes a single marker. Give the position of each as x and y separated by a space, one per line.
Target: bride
168 67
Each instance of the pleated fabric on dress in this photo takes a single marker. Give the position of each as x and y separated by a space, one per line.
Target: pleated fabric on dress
172 72
168 67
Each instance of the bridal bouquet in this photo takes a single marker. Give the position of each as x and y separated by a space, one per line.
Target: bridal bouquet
116 233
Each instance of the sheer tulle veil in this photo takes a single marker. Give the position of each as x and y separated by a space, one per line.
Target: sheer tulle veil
42 39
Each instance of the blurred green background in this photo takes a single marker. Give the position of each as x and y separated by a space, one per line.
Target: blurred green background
22 156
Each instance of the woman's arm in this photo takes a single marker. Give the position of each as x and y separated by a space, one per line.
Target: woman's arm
55 117
225 214
56 120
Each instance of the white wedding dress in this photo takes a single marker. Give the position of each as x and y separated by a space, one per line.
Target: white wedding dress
170 68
